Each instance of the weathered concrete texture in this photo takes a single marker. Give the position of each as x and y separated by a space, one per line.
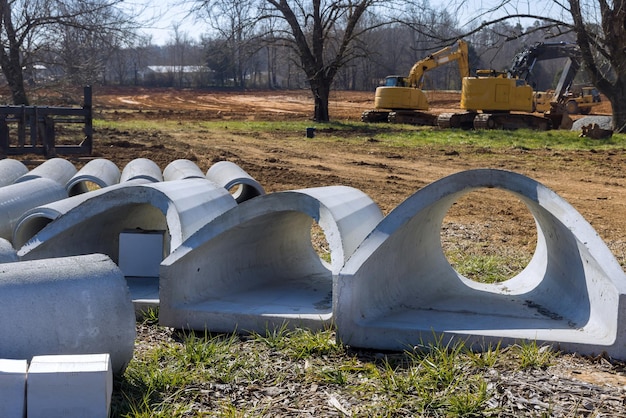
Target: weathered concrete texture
8 254
11 170
56 169
233 178
605 122
96 174
13 388
255 268
92 222
398 290
15 199
74 386
34 220
70 305
182 169
141 169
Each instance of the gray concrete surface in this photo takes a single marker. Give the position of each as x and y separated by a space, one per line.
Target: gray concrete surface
398 290
96 174
11 170
254 267
605 122
17 198
141 169
57 169
235 179
69 305
8 254
182 169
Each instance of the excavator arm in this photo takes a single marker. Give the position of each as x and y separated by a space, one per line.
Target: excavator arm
524 62
439 58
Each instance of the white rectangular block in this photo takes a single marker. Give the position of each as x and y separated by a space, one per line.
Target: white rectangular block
13 388
140 253
69 386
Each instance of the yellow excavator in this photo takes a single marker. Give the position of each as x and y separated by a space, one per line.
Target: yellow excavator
401 99
505 100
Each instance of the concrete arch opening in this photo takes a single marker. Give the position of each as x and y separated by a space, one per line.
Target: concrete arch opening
473 235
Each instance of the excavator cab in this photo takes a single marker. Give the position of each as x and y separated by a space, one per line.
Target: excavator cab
395 81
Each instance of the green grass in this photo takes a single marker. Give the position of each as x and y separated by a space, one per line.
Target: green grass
385 134
197 374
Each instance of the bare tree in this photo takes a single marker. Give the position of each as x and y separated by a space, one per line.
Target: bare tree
599 27
27 26
322 32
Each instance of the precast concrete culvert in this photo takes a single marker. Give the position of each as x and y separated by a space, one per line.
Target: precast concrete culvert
141 169
96 174
11 170
235 179
100 221
254 267
18 198
72 305
398 289
56 169
182 169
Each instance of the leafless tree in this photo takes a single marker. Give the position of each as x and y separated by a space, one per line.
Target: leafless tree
29 26
323 32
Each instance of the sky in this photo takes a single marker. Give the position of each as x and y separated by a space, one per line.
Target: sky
160 18
164 14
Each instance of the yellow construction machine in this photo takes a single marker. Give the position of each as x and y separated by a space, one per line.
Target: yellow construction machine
505 100
495 100
401 99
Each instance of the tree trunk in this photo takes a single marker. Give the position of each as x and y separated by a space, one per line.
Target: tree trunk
618 103
321 93
15 80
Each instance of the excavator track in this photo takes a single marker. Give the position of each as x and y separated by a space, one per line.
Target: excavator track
375 116
412 117
511 121
456 120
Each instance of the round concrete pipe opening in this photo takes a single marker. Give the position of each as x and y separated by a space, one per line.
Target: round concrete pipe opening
242 192
489 235
82 187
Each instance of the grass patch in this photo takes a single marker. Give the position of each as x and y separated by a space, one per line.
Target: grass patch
226 375
389 135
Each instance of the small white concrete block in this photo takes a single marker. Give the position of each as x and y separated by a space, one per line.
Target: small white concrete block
68 386
13 388
141 253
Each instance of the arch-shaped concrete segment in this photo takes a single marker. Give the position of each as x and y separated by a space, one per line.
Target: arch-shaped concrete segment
72 305
11 170
141 169
56 169
182 169
398 290
230 176
255 268
96 174
92 222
